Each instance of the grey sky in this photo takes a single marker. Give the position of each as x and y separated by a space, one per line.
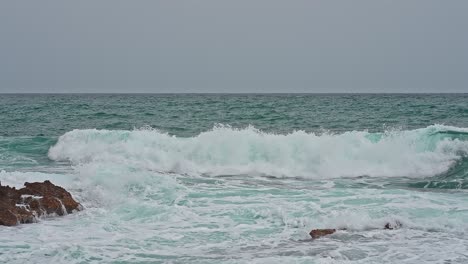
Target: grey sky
234 46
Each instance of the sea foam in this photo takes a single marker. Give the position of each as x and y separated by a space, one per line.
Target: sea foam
227 151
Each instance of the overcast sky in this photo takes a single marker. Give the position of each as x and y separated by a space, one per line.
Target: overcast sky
234 46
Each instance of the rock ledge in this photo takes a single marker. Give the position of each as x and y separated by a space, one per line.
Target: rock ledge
32 201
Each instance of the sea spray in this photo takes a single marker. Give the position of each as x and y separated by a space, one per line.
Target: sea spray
228 151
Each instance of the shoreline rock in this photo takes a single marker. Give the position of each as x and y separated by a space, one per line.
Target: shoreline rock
34 200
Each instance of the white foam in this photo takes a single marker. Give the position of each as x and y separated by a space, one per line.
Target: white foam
35 197
136 211
225 151
18 178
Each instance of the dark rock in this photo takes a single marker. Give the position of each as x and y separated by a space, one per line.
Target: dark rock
316 233
53 197
34 200
10 213
392 226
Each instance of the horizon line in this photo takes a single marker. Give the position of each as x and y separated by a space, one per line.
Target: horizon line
230 93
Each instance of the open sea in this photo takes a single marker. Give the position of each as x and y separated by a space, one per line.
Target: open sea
214 178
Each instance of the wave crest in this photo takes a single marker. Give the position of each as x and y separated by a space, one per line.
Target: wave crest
229 151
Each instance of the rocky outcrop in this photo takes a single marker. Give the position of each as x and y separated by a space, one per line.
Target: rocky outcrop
397 224
317 233
34 200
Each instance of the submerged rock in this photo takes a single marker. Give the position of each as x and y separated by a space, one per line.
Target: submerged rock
397 224
34 200
316 233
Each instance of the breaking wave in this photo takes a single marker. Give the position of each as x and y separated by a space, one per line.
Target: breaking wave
224 150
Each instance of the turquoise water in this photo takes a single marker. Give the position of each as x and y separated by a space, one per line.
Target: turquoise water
241 178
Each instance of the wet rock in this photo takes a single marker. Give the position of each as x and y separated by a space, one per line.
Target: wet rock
54 198
34 200
397 224
316 233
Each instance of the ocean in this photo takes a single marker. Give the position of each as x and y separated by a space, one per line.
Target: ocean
226 178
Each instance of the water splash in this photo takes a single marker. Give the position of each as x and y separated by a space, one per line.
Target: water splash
224 150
